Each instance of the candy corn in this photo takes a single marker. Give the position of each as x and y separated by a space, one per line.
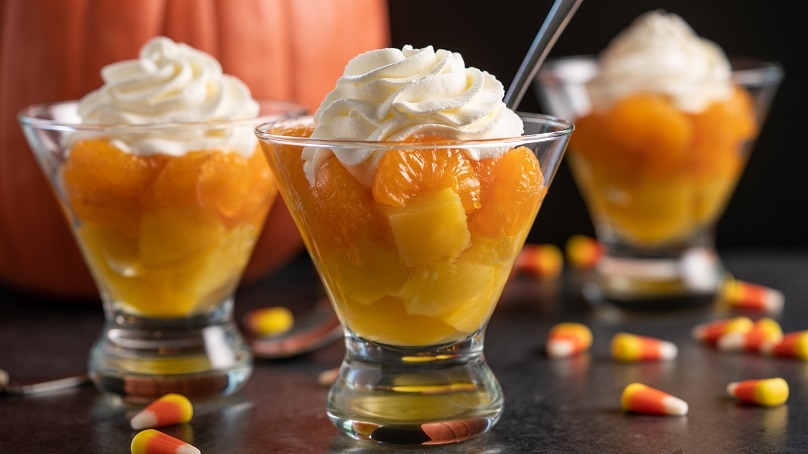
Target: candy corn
269 321
710 332
630 347
764 331
165 411
151 441
767 392
748 296
792 345
583 252
568 339
639 398
540 260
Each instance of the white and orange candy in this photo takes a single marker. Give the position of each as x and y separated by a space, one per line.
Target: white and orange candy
710 332
541 260
631 347
583 252
640 398
568 339
152 441
792 345
167 410
764 331
768 392
269 321
754 297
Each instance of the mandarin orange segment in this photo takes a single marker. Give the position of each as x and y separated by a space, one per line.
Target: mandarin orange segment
512 188
224 181
234 186
588 136
716 161
176 184
100 171
650 130
728 122
122 216
402 175
103 183
341 206
287 164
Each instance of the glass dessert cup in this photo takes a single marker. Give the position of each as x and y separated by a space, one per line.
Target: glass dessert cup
414 256
656 178
166 239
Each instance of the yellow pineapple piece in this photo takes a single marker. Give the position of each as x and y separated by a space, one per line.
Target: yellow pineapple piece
431 227
386 321
656 212
440 287
169 235
150 295
470 317
364 273
216 269
110 247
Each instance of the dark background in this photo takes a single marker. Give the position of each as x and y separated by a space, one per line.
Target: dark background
495 35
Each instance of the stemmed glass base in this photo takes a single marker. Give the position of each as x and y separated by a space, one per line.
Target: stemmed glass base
145 358
428 396
686 274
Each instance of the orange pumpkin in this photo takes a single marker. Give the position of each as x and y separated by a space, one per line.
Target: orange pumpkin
53 50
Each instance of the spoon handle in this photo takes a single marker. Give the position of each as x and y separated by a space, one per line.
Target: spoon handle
560 14
35 387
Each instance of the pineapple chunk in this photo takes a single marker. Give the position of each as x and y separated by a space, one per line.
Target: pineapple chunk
365 273
442 287
386 321
431 227
217 266
172 234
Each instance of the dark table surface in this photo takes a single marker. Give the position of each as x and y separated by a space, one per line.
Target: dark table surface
555 406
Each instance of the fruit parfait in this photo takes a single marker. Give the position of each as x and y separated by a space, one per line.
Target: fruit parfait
664 125
166 190
414 188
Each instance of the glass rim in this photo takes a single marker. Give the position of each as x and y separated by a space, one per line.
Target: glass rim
565 128
749 71
32 115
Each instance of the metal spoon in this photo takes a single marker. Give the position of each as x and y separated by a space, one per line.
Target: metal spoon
22 388
317 329
560 14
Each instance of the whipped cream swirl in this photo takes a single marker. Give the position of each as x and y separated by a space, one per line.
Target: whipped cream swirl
659 52
172 83
392 94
